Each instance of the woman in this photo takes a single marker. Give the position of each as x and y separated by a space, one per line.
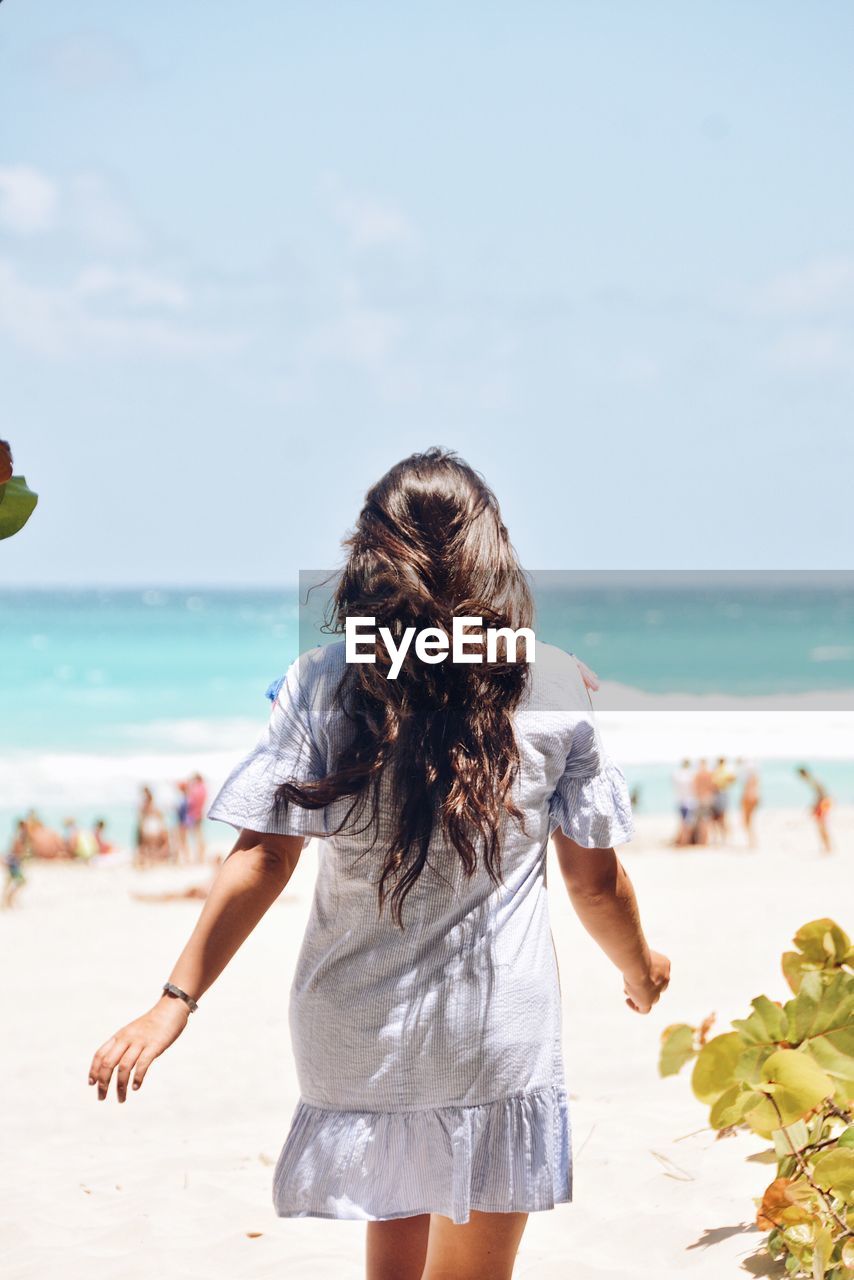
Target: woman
750 798
425 1009
152 835
820 808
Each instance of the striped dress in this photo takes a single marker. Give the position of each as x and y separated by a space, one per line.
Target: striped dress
429 1061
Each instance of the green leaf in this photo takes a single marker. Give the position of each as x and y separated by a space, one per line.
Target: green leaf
792 964
730 1107
677 1048
833 1170
796 1084
18 503
792 1136
822 1249
767 1025
846 1137
821 1017
714 1069
749 1066
823 942
801 1010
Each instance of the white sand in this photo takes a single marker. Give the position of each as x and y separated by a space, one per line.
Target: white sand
172 1183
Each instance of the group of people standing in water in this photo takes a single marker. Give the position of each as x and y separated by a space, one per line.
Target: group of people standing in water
703 800
185 842
703 795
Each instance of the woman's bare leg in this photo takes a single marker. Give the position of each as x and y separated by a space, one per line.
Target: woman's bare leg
824 835
484 1248
396 1249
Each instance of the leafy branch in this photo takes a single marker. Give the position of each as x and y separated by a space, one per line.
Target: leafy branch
786 1072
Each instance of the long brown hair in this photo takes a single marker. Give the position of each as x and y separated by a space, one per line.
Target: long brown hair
429 545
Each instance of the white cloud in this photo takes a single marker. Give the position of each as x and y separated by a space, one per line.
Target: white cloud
28 200
814 350
88 207
826 284
137 288
370 223
59 322
101 216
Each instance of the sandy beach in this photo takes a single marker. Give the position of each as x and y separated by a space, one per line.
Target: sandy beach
177 1181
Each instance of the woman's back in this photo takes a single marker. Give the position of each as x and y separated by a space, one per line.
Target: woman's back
461 1007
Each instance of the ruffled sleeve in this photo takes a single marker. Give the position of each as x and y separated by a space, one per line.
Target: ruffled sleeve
286 750
591 801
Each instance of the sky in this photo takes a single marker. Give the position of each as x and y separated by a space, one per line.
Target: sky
250 256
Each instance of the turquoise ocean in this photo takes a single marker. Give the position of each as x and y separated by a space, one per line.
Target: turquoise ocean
104 689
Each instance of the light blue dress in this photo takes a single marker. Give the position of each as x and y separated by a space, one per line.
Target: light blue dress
429 1061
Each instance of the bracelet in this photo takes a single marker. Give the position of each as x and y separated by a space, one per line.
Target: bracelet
172 990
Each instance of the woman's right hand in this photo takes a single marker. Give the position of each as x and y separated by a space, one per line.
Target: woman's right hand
645 991
137 1045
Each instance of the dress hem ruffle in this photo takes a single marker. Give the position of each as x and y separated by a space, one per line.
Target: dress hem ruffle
512 1155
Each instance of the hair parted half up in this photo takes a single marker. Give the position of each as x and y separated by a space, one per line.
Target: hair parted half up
429 545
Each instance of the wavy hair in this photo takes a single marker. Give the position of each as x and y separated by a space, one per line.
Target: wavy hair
429 545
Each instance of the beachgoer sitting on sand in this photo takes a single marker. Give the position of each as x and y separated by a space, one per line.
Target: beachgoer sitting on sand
821 807
102 844
44 841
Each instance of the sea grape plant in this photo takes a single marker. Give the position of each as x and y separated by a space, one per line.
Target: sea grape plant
786 1072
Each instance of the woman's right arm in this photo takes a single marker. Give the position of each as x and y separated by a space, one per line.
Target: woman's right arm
246 885
604 901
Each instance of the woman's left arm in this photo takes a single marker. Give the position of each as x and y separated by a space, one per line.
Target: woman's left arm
246 885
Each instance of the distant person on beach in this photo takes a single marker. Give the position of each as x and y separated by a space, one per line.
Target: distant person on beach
70 834
722 779
191 893
426 1001
749 797
99 835
821 807
197 798
78 844
15 880
152 837
704 792
182 822
44 841
686 802
13 860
